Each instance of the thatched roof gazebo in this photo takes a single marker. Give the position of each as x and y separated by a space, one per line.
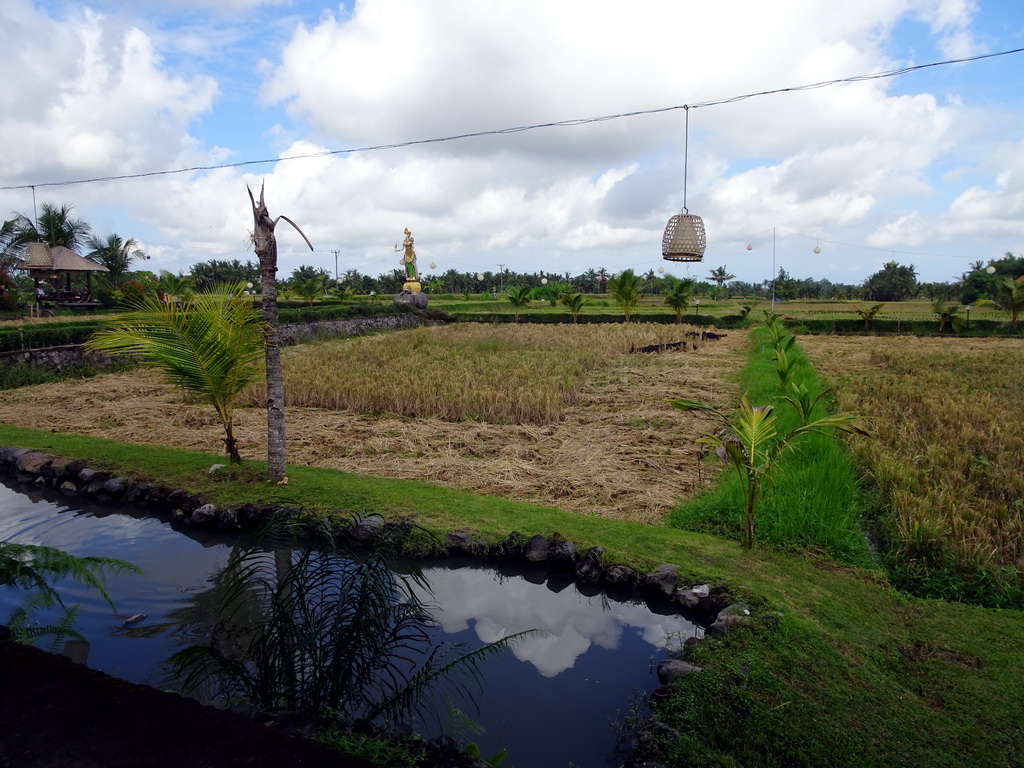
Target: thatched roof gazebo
57 264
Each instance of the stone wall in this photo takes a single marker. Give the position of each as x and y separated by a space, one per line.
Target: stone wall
296 333
66 356
72 355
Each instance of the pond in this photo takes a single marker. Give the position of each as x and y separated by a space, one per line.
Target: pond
550 700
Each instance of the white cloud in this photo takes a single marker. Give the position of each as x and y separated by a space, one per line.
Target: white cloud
867 163
89 98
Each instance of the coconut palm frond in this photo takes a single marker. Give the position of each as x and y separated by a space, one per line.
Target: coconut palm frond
210 345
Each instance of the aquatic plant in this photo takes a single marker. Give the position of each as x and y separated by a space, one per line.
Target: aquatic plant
308 625
35 569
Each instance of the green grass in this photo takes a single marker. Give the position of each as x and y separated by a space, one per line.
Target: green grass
853 674
814 503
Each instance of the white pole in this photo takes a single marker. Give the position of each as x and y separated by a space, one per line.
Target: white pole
773 269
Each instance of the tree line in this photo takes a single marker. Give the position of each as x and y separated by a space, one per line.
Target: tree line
56 225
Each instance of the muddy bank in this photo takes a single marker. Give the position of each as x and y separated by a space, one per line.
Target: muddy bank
56 714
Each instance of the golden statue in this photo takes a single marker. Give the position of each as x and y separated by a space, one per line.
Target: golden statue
412 278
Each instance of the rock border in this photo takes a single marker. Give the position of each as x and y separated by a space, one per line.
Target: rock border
556 556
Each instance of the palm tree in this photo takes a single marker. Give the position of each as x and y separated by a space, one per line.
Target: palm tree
174 287
721 276
575 302
8 259
214 272
309 289
519 295
627 290
751 444
677 295
54 226
115 253
947 313
347 293
867 315
265 244
210 346
1009 295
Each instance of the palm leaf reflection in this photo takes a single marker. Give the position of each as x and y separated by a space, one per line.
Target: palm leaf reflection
307 625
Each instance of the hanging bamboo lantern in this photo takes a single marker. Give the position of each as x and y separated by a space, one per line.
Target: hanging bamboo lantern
684 238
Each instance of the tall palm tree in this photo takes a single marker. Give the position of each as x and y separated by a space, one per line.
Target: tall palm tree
53 226
210 346
678 294
8 259
627 290
265 244
115 253
721 276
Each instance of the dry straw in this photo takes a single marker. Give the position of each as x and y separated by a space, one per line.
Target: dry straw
948 447
596 437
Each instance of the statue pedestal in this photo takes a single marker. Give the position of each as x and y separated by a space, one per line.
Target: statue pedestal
412 286
417 299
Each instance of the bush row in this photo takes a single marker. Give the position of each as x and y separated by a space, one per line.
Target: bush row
291 312
47 335
77 332
855 325
726 321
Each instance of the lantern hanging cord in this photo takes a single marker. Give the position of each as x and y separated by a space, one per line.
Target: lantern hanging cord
522 128
686 152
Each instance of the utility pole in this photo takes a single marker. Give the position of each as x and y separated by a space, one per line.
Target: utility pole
501 277
773 269
335 267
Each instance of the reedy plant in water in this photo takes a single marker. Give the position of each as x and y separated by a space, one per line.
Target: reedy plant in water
749 442
34 569
327 630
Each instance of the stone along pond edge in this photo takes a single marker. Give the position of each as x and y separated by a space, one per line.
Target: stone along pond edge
557 556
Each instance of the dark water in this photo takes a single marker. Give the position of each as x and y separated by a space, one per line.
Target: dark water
549 701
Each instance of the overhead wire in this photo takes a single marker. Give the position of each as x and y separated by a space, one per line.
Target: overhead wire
522 128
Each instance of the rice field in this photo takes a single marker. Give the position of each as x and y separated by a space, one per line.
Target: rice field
947 454
558 415
519 374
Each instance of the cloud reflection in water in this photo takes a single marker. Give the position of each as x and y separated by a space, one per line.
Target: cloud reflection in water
498 606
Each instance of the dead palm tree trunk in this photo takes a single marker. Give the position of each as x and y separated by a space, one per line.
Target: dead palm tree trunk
265 245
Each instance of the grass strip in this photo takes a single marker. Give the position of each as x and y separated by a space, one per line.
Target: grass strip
852 674
814 502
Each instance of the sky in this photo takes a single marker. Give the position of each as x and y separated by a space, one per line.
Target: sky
925 168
